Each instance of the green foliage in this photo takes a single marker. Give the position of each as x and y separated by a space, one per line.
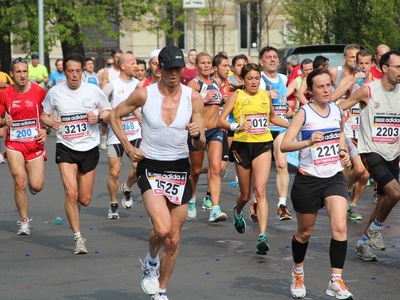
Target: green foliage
365 22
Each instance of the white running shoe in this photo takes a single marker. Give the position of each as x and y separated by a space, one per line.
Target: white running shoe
103 140
192 212
297 288
127 200
80 247
113 211
338 289
149 282
24 227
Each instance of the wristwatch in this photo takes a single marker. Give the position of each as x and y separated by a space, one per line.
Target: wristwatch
99 118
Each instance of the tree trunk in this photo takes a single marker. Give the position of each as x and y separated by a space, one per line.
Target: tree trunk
5 46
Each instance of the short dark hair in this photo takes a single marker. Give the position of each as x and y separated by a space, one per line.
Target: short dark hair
237 57
386 57
363 53
115 51
267 49
191 50
18 60
88 59
350 47
306 61
249 67
218 59
57 60
141 62
319 60
314 73
74 57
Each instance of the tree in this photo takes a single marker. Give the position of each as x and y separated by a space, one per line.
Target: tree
365 22
73 22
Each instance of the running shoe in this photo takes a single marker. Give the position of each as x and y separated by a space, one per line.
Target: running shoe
207 203
159 296
24 227
192 212
2 160
127 200
113 211
149 282
353 213
31 190
253 212
223 174
103 145
262 244
365 251
283 213
238 221
376 237
80 247
338 289
375 196
297 288
216 215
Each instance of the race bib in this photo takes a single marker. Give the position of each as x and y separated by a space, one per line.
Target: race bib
74 126
385 129
130 124
327 151
23 130
217 99
259 123
280 111
355 118
168 184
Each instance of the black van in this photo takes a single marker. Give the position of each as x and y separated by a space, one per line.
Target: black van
333 52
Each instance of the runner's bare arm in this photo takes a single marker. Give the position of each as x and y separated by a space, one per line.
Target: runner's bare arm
135 100
360 96
229 105
196 125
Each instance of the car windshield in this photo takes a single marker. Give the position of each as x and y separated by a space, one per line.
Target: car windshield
335 59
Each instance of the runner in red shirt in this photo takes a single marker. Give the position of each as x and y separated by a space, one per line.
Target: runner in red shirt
25 137
376 70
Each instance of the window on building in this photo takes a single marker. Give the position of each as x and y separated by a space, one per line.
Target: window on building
248 20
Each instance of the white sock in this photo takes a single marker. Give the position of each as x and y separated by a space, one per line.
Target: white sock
335 276
298 270
77 235
152 260
282 201
125 187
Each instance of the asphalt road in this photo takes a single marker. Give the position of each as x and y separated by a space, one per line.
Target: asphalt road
215 262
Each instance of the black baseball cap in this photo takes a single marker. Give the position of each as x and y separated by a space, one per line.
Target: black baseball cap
171 57
34 54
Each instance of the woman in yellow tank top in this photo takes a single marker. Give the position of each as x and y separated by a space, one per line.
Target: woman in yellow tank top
251 147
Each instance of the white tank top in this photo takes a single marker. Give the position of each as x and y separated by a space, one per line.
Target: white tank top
162 142
120 93
112 74
380 122
352 118
321 159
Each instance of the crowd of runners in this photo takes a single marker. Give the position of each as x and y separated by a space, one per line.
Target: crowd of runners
168 113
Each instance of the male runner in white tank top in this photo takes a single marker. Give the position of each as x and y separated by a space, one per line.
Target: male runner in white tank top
170 111
378 146
117 91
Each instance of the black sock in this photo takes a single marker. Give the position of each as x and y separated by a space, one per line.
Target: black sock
298 250
337 253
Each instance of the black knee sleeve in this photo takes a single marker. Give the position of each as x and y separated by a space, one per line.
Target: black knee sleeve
337 253
298 250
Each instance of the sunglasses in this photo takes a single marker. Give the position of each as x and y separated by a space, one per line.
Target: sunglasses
18 60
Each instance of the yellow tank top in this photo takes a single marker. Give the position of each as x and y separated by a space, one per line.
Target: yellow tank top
255 109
